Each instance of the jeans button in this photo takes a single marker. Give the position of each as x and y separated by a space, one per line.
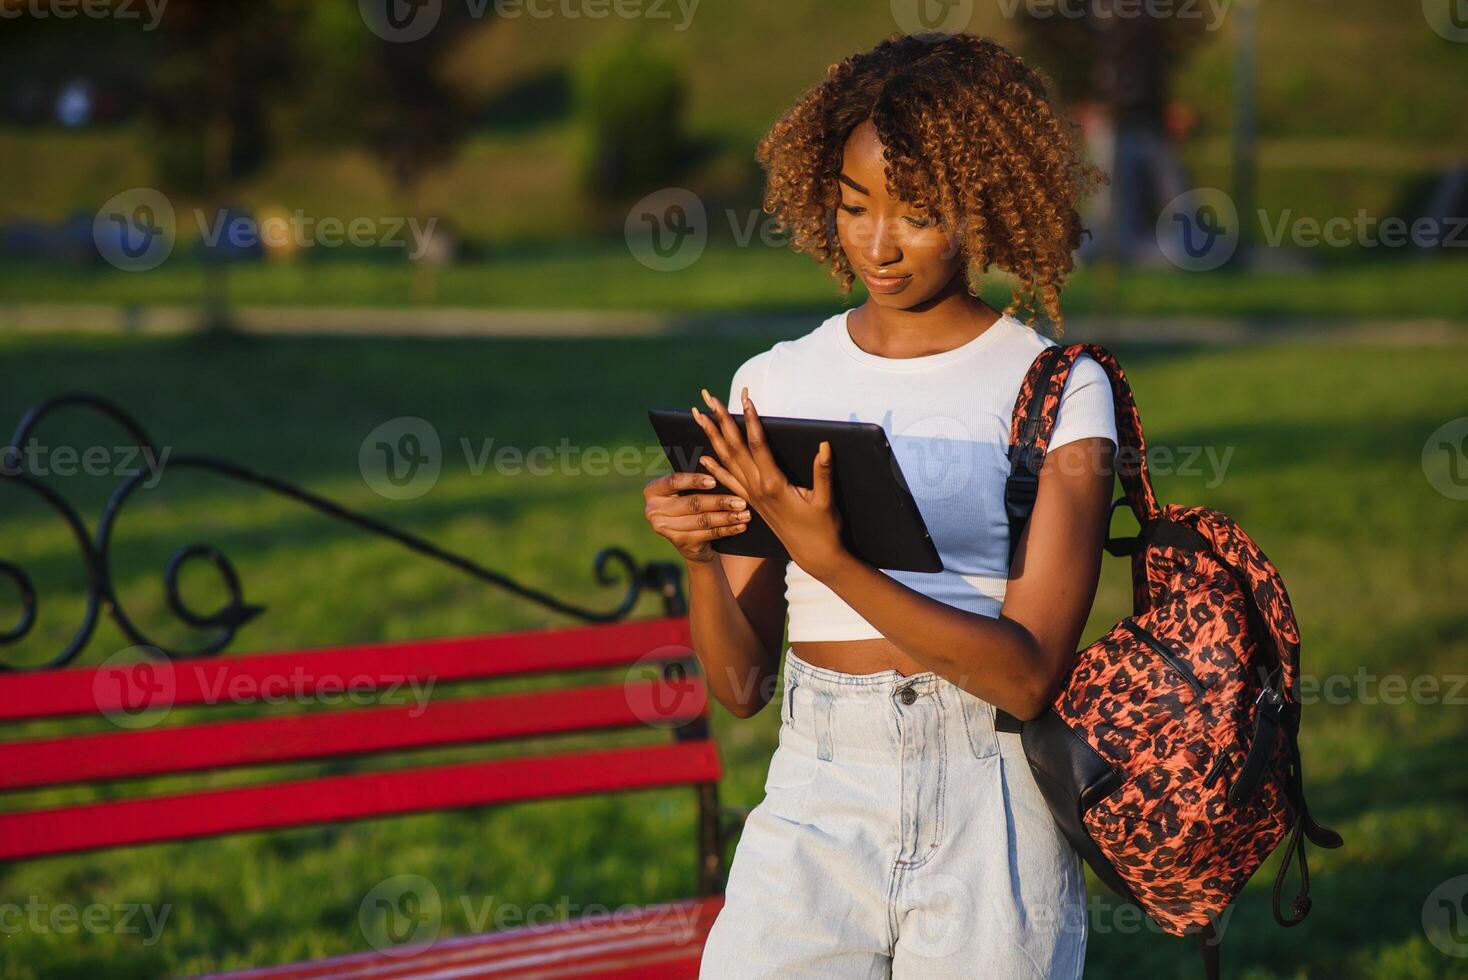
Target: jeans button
908 695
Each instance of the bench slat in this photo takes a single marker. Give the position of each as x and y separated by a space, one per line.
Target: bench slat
89 690
324 734
654 942
36 833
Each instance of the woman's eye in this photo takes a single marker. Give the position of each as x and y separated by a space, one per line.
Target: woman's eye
920 222
852 209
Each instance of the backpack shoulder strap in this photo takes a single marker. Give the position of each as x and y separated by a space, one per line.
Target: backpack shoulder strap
1036 411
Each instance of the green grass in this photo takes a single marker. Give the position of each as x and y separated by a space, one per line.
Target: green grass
1325 472
726 278
1356 100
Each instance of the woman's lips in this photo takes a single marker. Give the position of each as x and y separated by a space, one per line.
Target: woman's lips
884 284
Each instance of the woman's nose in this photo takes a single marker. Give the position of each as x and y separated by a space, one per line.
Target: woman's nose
878 243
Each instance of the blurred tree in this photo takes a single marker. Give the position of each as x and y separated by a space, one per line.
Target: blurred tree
392 97
216 67
629 100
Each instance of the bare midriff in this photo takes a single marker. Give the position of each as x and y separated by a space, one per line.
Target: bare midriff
857 656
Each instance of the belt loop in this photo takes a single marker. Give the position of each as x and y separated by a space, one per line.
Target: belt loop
978 719
823 705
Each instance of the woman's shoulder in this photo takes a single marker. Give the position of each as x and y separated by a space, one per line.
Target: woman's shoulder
790 354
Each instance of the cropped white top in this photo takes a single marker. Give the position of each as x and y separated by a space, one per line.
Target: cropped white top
947 417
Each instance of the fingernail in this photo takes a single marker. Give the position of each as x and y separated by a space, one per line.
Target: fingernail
708 399
739 504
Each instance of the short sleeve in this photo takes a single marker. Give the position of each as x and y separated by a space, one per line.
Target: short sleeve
753 373
1087 409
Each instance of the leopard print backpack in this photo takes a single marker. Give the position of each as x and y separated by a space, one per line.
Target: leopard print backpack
1170 758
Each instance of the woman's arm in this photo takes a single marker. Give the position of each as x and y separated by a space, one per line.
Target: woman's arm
737 618
1018 660
1015 661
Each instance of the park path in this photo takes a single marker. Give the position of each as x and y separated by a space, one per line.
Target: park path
466 322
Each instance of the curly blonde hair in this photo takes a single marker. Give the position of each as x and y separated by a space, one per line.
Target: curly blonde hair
971 136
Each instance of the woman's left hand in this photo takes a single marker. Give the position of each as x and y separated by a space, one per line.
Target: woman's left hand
805 520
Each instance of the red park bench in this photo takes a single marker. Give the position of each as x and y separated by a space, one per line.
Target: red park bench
654 941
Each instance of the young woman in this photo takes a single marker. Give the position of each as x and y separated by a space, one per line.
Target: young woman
902 833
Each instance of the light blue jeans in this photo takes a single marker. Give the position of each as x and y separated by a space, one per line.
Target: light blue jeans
900 836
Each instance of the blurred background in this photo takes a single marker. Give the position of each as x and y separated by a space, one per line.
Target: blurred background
269 229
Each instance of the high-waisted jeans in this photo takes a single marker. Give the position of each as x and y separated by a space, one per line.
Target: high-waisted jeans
900 836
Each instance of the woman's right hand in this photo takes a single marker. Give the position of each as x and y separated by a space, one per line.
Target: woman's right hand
692 521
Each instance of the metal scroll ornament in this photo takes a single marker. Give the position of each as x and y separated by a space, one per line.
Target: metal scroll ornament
222 624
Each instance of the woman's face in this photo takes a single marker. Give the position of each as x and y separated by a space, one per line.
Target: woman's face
904 256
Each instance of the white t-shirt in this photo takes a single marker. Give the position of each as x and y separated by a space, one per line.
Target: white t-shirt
947 417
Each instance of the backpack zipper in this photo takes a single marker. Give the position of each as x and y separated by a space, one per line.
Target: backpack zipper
1172 659
1219 761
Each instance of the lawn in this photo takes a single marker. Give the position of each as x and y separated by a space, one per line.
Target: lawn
1318 451
727 278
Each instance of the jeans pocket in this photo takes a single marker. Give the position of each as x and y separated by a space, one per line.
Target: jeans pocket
978 721
789 769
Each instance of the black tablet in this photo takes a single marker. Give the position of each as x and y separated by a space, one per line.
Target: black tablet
880 520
